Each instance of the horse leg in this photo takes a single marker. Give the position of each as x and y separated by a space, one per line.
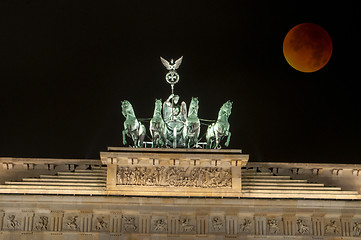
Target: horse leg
153 137
164 140
135 138
190 140
152 133
186 138
195 142
156 140
175 137
208 138
216 141
209 143
228 139
124 139
141 135
159 141
196 137
141 139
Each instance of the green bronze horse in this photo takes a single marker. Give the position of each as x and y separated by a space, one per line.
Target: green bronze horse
192 126
132 127
157 126
216 131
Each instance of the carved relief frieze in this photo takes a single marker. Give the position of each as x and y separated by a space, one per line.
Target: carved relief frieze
274 226
239 225
217 224
207 177
246 225
332 226
159 224
41 222
303 226
130 224
356 227
100 223
71 222
187 225
12 222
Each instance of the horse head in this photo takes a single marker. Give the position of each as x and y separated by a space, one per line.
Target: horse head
226 109
157 106
193 106
127 108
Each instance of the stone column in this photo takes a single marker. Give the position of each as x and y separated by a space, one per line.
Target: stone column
115 222
317 226
56 221
260 225
173 224
85 221
1 220
202 225
144 223
28 221
289 226
346 226
231 225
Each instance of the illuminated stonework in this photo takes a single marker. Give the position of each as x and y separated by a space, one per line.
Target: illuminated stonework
177 194
209 177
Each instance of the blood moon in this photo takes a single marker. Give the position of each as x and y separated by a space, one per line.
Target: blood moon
307 47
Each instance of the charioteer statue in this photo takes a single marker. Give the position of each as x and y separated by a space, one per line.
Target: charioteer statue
175 116
174 127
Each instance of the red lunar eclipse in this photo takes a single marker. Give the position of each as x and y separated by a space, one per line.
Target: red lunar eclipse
307 47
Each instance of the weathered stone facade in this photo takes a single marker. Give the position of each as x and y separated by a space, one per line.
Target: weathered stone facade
86 217
175 194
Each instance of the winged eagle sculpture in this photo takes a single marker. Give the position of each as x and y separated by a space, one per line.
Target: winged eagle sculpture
172 76
171 66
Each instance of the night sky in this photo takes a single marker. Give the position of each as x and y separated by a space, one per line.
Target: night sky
65 66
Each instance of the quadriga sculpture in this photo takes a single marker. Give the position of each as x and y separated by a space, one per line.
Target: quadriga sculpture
132 127
171 125
216 131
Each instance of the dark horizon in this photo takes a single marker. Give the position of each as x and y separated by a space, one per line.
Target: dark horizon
66 66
